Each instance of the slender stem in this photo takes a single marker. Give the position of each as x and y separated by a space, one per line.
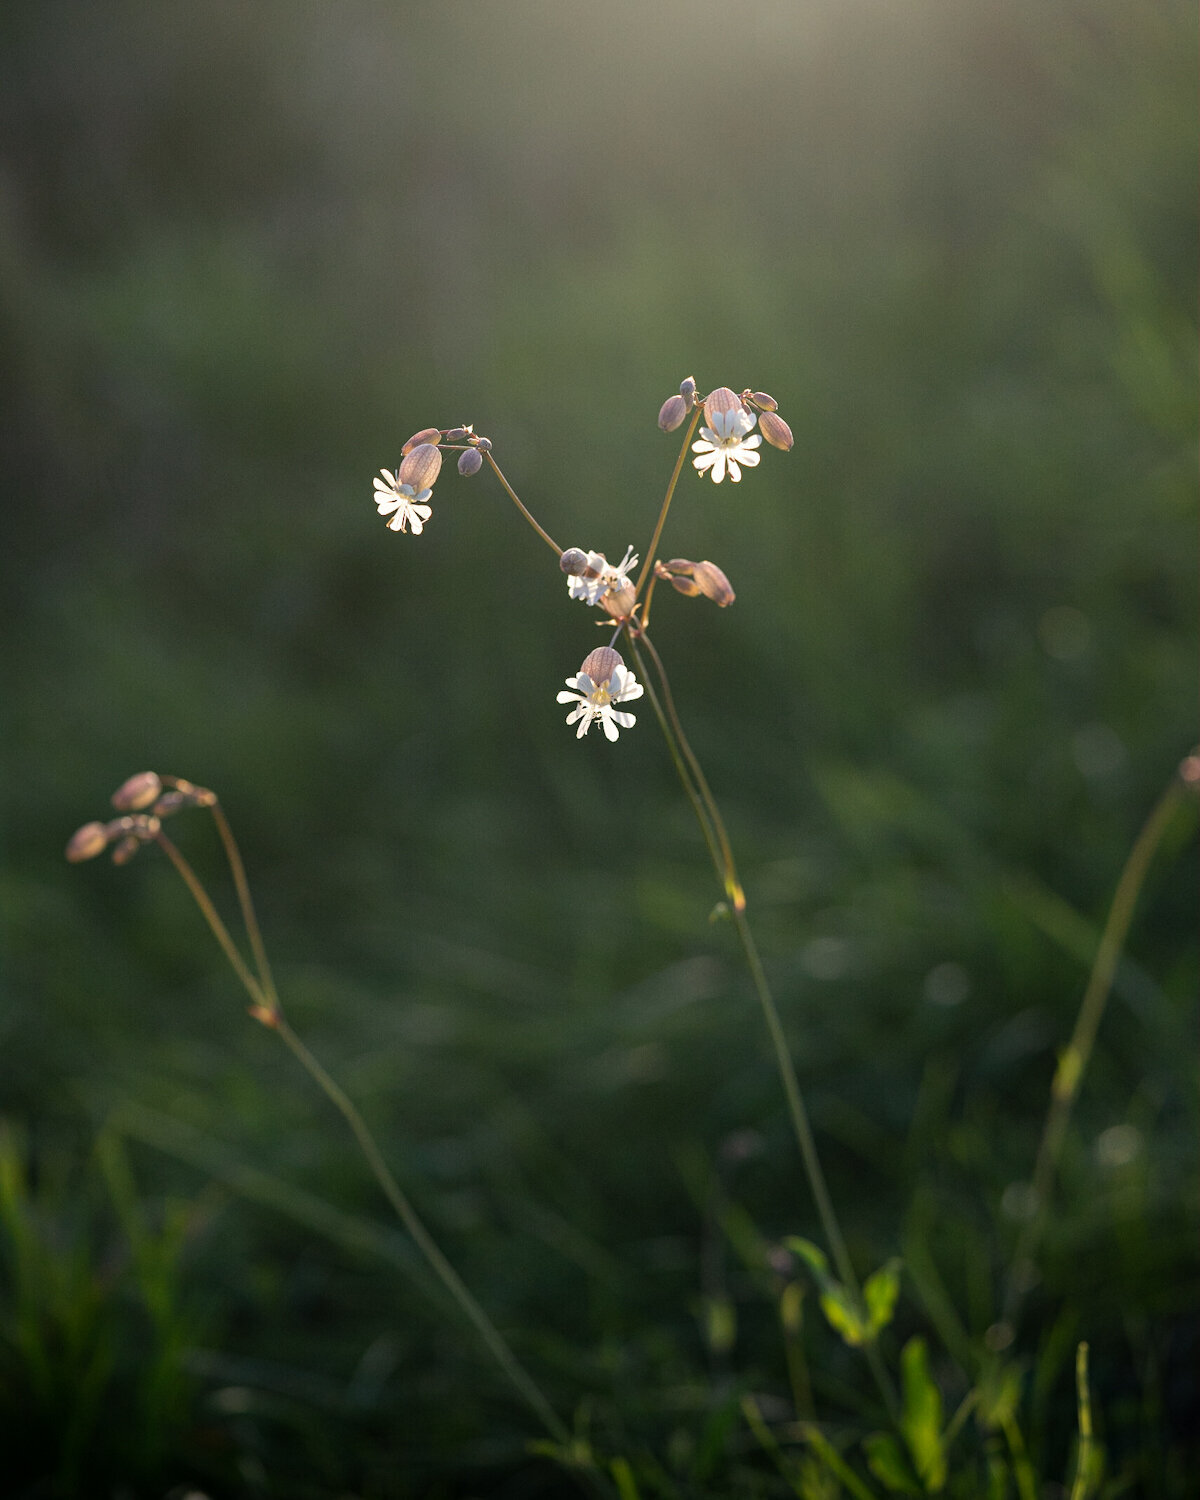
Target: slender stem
268 1012
728 870
666 505
680 766
516 500
218 928
709 817
1083 1457
647 598
1072 1063
424 1241
246 902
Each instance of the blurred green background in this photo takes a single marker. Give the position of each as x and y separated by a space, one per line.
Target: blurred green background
246 251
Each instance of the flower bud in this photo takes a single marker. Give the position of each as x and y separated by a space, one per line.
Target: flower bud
126 849
679 581
775 430
601 663
687 389
763 401
420 467
720 401
170 802
713 584
457 434
693 578
470 461
138 792
674 410
87 842
574 561
619 602
426 435
484 444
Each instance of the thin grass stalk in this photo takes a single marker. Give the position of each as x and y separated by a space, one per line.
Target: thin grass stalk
1072 1064
1083 1457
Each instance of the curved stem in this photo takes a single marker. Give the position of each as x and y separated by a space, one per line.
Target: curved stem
267 1010
217 927
728 870
709 817
1072 1064
246 902
449 1277
516 500
666 505
680 766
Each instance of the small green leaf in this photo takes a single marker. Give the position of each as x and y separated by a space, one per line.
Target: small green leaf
921 1421
842 1315
880 1293
840 1312
886 1461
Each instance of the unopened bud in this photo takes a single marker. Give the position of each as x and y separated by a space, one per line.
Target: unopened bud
683 582
720 401
87 842
484 444
573 561
713 584
456 434
170 802
470 461
426 435
138 792
763 401
693 578
775 430
1189 774
601 663
420 467
619 602
687 389
674 410
126 849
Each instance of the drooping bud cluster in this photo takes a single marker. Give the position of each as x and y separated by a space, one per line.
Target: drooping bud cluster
405 494
161 795
695 578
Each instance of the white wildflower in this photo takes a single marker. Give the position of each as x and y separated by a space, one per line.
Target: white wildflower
601 682
407 503
598 577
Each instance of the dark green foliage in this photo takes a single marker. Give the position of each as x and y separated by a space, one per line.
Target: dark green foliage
244 253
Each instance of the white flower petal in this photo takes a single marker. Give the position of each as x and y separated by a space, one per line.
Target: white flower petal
626 721
734 472
610 729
